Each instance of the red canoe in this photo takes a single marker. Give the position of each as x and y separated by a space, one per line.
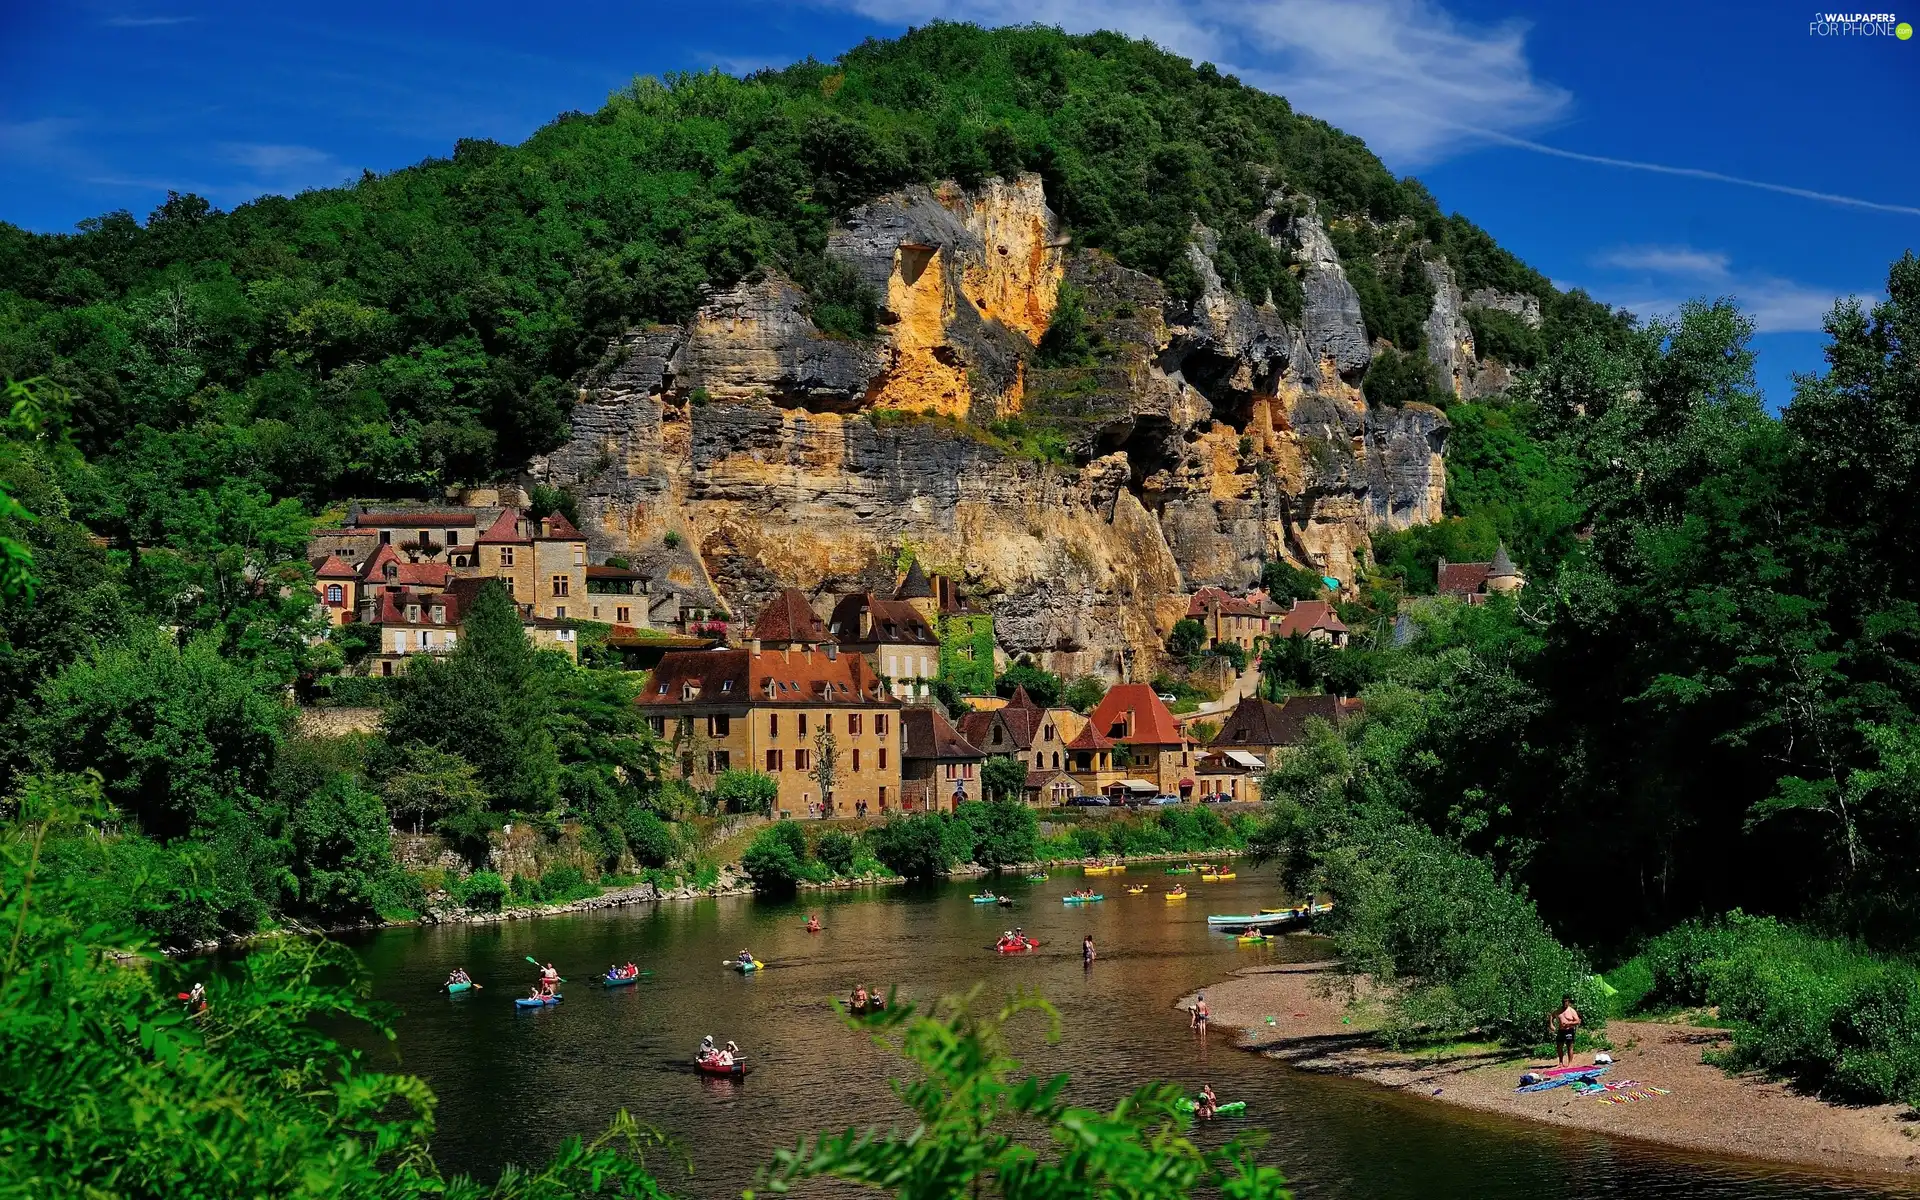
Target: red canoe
710 1067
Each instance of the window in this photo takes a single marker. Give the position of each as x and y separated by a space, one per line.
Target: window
439 614
413 614
579 558
663 689
344 552
719 726
426 639
853 726
880 726
953 771
826 722
802 760
596 612
453 537
801 720
1056 760
1050 735
335 594
386 537
620 615
560 614
718 761
391 571
856 759
1039 759
773 760
883 799
773 725
883 758
386 668
561 583
658 724
726 685
506 556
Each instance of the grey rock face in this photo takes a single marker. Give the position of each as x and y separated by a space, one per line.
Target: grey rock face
1520 304
1449 338
1332 321
1406 481
756 339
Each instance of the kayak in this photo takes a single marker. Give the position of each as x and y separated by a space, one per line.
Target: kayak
1179 870
619 980
1006 902
1019 947
1135 891
454 989
542 1002
1233 1109
1082 899
1172 896
1036 877
744 967
989 898
1222 877
737 1071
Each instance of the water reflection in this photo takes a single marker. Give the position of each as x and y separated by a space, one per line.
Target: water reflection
513 1083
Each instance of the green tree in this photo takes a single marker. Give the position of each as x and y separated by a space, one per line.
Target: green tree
431 784
487 702
1188 639
743 791
918 846
837 850
341 857
1083 693
1003 778
826 761
1043 687
776 859
1004 831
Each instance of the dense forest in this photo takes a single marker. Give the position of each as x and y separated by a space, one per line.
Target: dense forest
1689 751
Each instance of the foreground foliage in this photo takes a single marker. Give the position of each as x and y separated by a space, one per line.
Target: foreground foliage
972 1111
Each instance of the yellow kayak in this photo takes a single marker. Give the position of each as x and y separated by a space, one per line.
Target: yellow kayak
1220 878
1098 870
1172 896
1135 891
1253 939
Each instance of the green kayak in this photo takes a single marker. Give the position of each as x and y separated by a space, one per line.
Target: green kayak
1235 1109
454 989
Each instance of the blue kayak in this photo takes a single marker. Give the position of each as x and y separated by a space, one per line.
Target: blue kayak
542 1002
619 980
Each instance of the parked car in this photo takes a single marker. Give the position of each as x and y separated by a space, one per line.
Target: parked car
1088 802
1162 800
1216 798
1168 698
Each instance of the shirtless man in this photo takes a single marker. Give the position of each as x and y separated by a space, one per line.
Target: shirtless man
1566 1025
1199 1014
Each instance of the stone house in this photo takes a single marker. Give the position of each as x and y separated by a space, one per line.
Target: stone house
1021 729
938 767
789 622
896 638
775 711
616 596
1158 753
1091 769
1264 728
1474 582
1314 620
1227 618
1228 775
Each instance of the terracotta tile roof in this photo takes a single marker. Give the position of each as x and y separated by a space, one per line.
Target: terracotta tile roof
333 567
783 677
789 618
604 572
1134 709
423 519
1090 738
1257 722
1207 597
505 528
894 622
1306 616
390 608
410 574
926 733
1462 579
345 533
556 528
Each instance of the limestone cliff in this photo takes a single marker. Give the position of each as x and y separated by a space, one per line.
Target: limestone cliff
1203 437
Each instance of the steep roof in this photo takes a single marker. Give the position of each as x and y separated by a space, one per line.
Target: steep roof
1306 616
1501 567
390 608
417 520
1461 579
915 585
1130 712
1090 738
411 574
556 528
926 733
336 568
771 677
789 618
1020 699
894 622
1257 722
1208 597
505 528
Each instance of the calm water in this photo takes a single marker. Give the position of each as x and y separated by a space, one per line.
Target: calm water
512 1083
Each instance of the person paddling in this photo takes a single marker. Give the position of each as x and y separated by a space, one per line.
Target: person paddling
813 923
197 999
1566 1025
860 998
549 979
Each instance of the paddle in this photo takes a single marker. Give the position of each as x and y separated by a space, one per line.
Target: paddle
536 962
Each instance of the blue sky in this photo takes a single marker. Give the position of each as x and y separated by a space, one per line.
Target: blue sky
113 102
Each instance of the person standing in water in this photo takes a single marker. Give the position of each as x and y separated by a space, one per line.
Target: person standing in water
1087 953
1199 1014
1566 1025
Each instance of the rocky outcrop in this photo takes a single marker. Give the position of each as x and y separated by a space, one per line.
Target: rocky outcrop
1204 437
1519 304
1449 337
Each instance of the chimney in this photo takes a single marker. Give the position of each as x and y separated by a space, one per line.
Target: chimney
755 645
833 652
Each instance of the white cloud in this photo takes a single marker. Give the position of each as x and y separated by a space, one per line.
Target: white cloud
1406 75
1654 280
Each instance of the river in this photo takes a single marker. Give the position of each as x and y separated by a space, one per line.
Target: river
512 1083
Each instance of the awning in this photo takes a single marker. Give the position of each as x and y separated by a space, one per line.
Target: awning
1186 783
1138 785
1249 761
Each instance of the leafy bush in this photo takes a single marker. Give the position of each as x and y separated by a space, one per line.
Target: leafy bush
1043 687
354 691
649 839
837 850
776 860
482 890
558 885
740 791
1395 380
919 846
1003 832
1631 982
1504 337
1003 777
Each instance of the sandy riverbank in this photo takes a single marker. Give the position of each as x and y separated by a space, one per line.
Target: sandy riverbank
1704 1110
